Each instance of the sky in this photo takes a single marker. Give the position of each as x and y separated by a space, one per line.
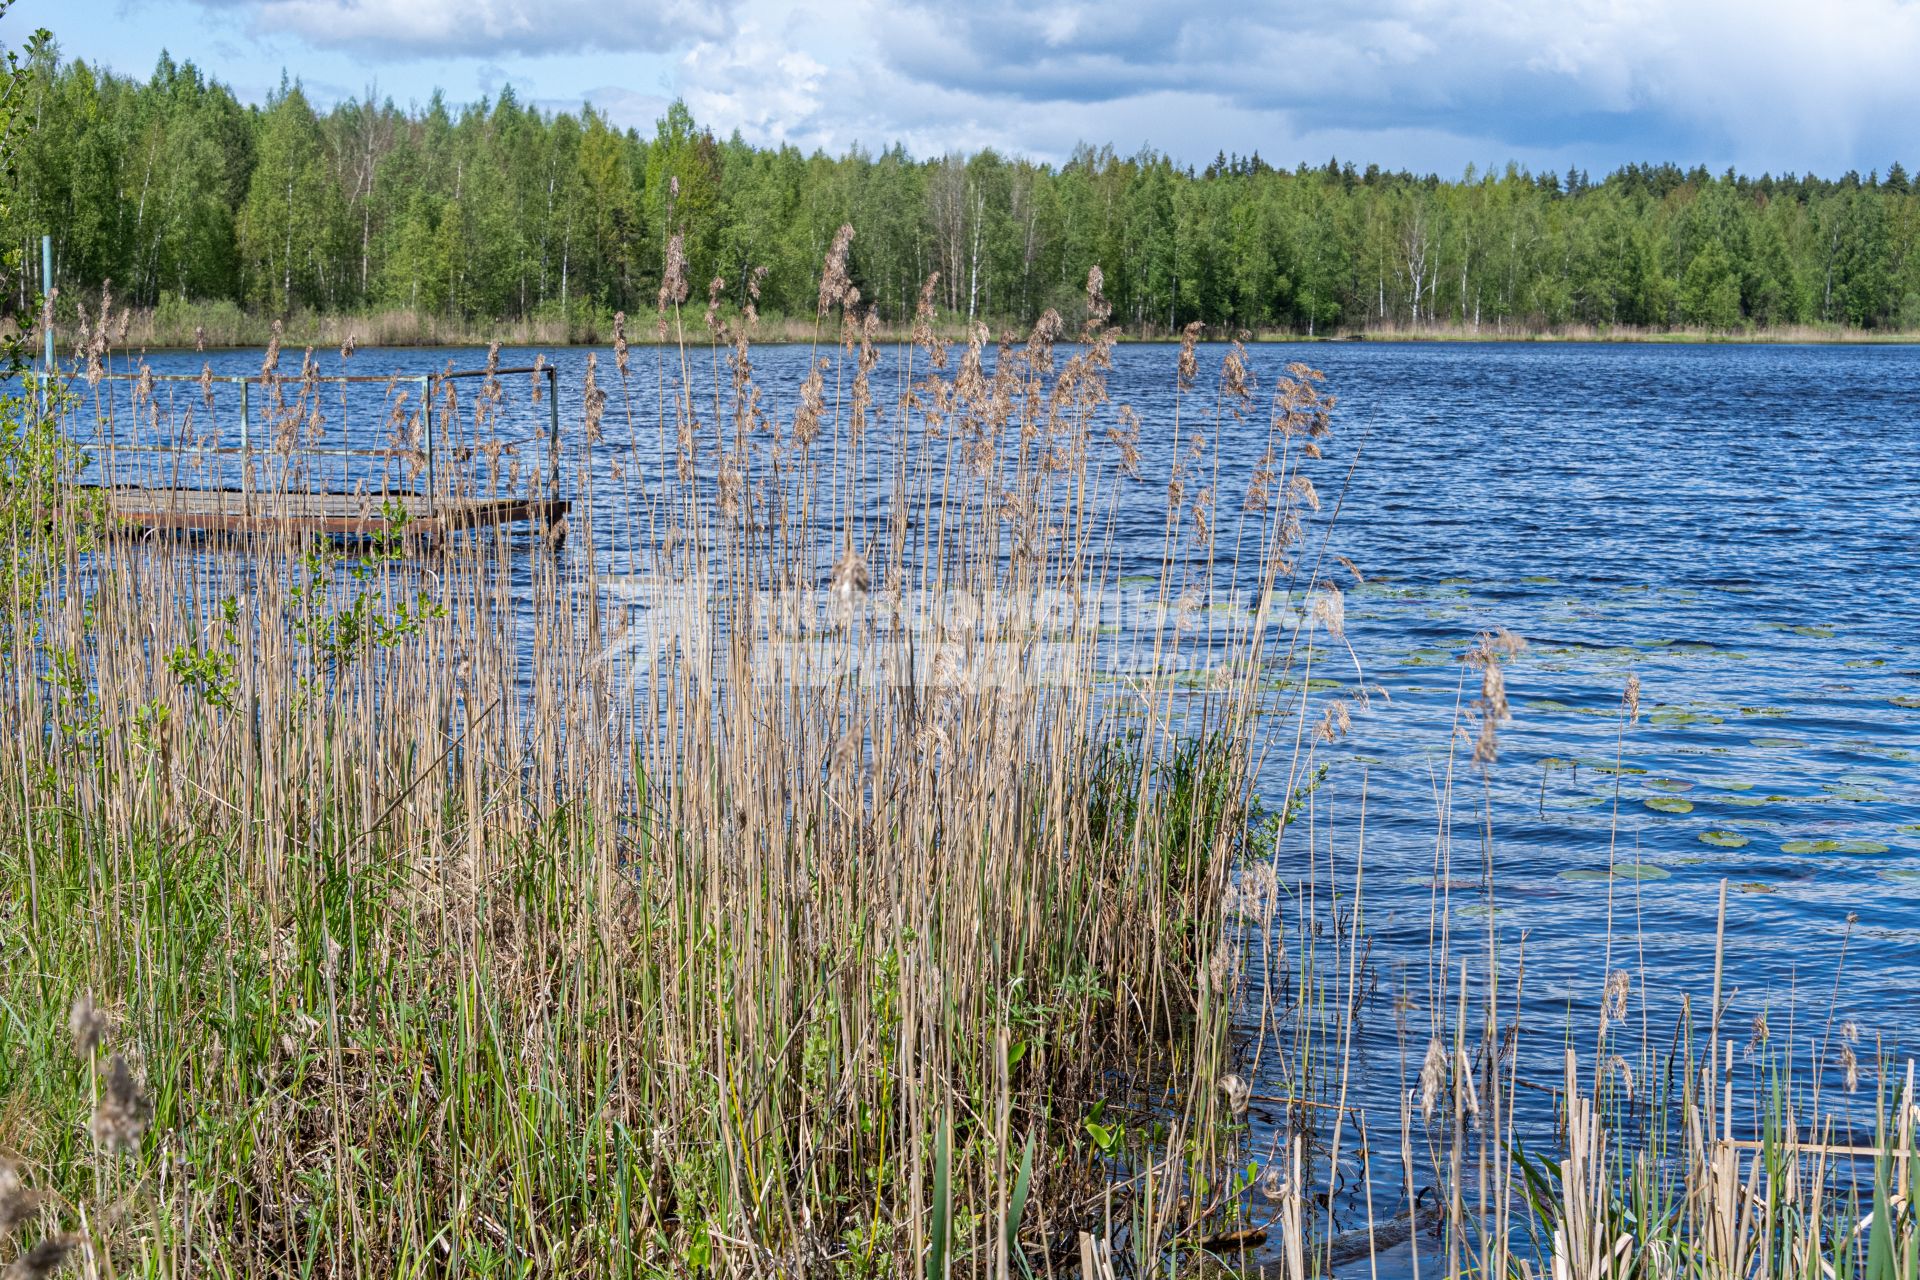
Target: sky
1429 85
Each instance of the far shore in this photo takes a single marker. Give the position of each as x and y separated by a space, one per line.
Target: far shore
224 327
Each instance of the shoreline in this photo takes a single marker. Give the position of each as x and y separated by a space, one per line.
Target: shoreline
173 344
221 326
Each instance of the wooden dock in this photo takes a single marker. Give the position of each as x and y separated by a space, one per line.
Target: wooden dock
321 514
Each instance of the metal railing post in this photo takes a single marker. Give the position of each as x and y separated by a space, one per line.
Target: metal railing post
553 433
426 395
46 287
246 454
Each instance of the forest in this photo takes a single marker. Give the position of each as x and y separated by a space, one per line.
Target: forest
192 203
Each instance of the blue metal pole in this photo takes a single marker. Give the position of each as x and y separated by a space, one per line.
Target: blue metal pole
46 286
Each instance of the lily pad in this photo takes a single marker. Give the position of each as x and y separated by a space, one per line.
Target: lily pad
1669 804
1833 846
1865 662
1778 742
1727 784
1818 633
1679 717
1670 784
1754 886
1854 792
1576 802
1907 700
1902 873
1724 839
1621 871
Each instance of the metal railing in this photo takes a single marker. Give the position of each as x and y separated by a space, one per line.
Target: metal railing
428 383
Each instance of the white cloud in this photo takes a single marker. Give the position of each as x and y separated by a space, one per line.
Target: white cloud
757 82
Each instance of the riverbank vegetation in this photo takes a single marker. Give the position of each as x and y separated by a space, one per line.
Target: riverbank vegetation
456 222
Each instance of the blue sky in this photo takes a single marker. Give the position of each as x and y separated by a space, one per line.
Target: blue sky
1425 84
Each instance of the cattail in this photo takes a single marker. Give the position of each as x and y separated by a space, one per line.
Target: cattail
1239 1094
1433 1074
539 375
1760 1030
1632 699
42 1260
620 353
834 281
348 347
200 337
86 1024
123 1112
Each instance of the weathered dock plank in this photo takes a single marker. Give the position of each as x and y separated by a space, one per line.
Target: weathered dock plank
322 513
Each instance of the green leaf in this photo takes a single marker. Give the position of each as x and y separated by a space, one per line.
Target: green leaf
1017 1206
942 1200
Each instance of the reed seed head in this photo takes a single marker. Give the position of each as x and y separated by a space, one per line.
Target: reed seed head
18 1202
850 576
673 280
1433 1075
124 1111
86 1024
1239 1094
835 284
42 1260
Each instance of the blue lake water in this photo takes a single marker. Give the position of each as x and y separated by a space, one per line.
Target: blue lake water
1738 527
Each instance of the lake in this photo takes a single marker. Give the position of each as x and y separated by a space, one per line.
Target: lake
1736 526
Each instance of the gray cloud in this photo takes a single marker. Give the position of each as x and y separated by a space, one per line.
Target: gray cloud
398 30
1766 82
